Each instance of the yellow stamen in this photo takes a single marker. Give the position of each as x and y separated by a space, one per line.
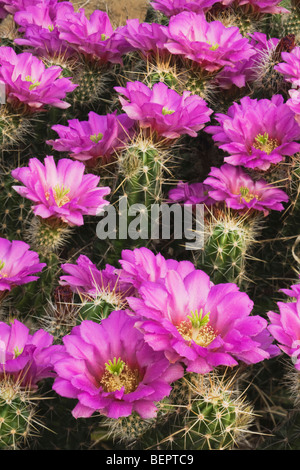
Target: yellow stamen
214 47
265 143
166 111
2 264
96 137
246 195
60 195
34 84
202 336
17 352
117 375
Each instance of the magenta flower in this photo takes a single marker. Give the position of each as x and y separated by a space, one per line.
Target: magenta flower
86 279
163 110
28 81
211 45
194 193
99 137
232 185
262 6
25 357
7 56
285 325
247 70
294 104
93 37
3 12
201 324
290 68
141 264
257 133
293 291
41 35
148 38
173 7
17 264
63 191
13 6
110 369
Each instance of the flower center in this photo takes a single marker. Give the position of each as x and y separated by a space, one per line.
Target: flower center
265 143
104 37
2 264
166 111
51 28
214 47
17 352
246 195
34 84
60 195
96 137
196 329
117 375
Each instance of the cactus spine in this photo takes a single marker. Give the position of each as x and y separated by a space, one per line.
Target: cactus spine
16 415
228 240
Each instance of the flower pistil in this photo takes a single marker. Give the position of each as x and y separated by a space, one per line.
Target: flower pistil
265 143
96 137
246 195
166 111
196 329
117 375
60 195
34 84
2 264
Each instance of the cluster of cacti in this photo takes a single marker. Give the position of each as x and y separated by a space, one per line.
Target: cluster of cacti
203 412
149 226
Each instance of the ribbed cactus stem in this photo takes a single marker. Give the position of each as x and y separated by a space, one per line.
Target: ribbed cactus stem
142 168
61 314
243 16
16 414
100 308
47 235
291 22
201 85
126 430
166 71
14 210
34 296
205 412
15 126
92 82
228 240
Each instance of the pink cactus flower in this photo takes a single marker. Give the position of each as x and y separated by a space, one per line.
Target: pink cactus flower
18 264
110 369
257 133
29 82
24 357
236 188
211 46
97 138
61 191
163 110
201 324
